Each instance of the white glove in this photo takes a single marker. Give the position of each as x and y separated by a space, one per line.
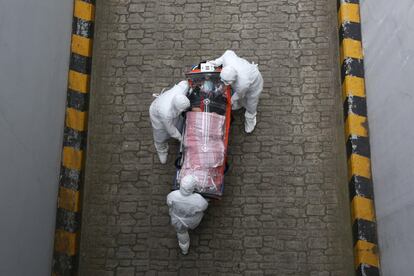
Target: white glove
213 62
235 102
235 98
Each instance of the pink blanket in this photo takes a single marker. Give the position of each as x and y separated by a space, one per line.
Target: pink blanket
204 150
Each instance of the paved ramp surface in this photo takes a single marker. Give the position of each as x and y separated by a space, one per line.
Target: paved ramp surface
285 208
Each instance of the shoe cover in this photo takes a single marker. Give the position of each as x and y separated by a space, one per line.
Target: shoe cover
184 247
249 122
163 157
162 150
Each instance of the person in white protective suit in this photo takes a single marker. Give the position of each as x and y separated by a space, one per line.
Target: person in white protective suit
186 210
165 117
247 84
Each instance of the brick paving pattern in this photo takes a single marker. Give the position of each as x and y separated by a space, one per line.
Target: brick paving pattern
285 208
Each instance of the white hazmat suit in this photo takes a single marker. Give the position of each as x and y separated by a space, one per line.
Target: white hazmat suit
165 114
247 84
186 210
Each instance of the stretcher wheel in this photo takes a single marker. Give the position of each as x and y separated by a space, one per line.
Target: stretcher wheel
178 162
226 167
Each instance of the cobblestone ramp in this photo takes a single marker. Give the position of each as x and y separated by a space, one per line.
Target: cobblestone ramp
285 208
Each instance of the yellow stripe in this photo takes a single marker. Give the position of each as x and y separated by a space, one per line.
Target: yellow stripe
348 12
353 86
84 10
362 208
76 119
81 45
72 158
78 81
359 165
351 48
356 125
69 199
65 242
366 253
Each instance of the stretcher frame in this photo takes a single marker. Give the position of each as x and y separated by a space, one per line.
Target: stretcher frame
196 72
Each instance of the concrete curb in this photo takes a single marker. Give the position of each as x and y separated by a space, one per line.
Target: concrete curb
364 226
68 217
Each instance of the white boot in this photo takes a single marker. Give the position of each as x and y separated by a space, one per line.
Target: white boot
163 157
162 150
249 122
183 241
184 247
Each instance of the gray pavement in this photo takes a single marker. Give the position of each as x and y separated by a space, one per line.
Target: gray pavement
285 208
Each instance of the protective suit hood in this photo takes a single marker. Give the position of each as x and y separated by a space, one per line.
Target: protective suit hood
187 185
180 103
228 74
183 85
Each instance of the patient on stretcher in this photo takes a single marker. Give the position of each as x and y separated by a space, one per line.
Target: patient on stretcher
204 150
208 97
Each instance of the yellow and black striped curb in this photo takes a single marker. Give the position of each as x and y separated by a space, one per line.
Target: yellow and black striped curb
357 142
68 221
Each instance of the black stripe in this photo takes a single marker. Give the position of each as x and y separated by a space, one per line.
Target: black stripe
80 63
76 100
350 30
89 1
352 67
75 139
64 264
67 220
364 230
356 105
367 270
351 1
71 179
82 27
360 186
358 145
338 4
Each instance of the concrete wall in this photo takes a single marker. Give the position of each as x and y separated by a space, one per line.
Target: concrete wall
389 63
34 55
